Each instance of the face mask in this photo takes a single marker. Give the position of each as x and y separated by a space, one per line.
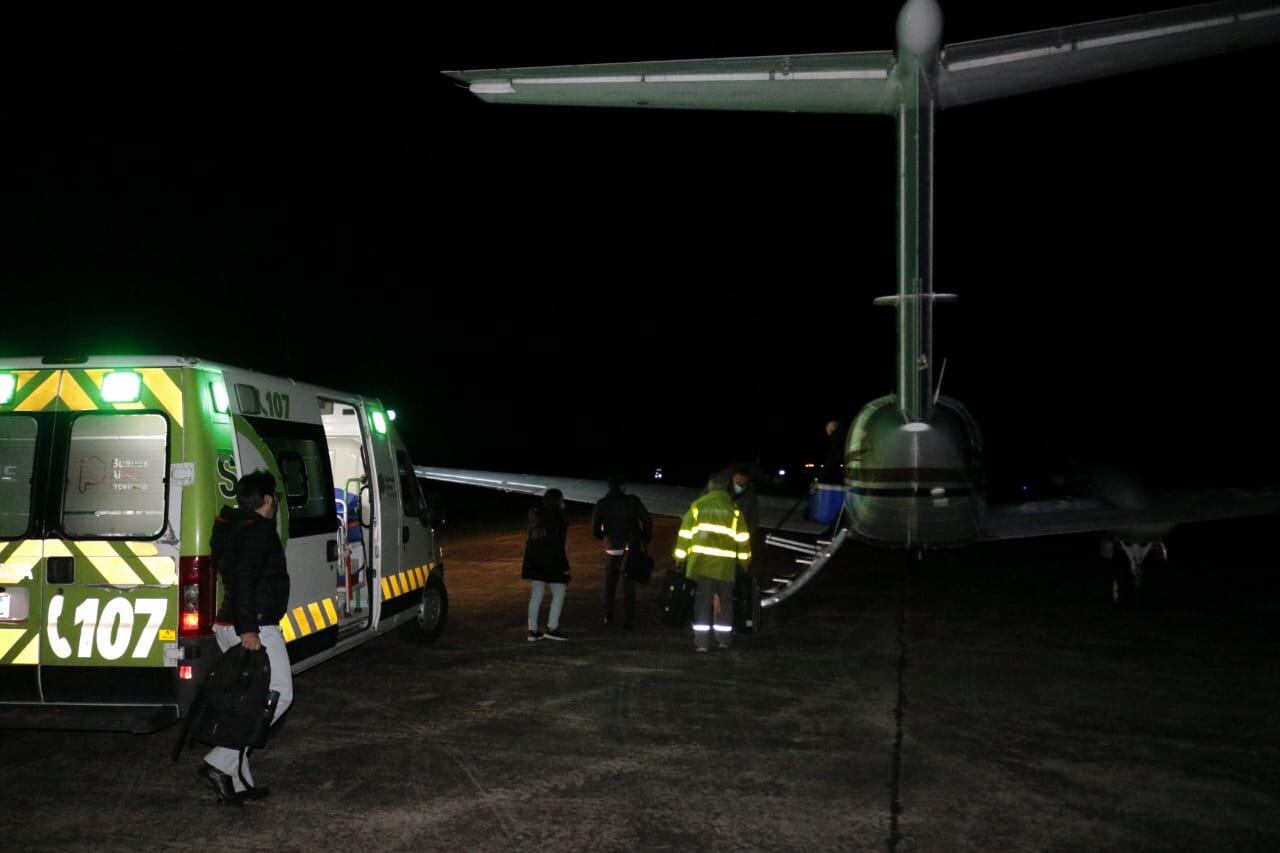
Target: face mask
737 489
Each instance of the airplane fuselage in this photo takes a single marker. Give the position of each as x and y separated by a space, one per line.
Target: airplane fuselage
915 483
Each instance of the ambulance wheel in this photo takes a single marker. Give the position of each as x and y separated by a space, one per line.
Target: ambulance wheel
433 610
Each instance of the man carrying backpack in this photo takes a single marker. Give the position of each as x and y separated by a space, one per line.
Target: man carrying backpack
250 560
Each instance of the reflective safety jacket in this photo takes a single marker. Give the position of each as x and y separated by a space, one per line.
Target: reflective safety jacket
713 539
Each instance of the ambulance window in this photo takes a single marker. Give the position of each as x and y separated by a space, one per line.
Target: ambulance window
294 471
304 465
303 456
410 494
115 478
17 457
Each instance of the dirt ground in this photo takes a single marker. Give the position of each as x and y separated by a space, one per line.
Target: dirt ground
986 699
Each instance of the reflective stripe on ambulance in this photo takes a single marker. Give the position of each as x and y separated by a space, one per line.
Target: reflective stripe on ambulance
403 583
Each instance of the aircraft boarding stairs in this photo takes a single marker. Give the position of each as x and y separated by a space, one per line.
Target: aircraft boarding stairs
813 557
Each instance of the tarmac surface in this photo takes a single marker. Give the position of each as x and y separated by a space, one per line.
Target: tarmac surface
984 699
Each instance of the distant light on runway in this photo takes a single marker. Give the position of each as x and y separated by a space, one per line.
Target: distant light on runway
782 472
657 473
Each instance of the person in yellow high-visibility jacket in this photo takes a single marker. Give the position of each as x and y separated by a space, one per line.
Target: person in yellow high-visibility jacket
712 543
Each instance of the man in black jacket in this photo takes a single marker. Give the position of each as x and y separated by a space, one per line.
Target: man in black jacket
623 522
250 560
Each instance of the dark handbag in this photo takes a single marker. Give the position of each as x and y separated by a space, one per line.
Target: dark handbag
637 565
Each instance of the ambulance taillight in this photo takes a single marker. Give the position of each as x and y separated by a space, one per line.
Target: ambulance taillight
198 589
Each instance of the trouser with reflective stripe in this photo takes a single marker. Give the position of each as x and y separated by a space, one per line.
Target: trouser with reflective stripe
228 760
704 624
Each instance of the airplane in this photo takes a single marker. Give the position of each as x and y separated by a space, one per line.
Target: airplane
914 458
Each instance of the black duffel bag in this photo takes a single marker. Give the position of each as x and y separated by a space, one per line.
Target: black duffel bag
637 565
677 597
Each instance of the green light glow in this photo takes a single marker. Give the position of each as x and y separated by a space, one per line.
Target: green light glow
379 423
121 387
220 401
8 382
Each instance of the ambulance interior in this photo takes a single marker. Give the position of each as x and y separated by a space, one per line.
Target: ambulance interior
342 429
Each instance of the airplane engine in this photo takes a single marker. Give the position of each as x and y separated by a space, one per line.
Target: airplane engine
914 483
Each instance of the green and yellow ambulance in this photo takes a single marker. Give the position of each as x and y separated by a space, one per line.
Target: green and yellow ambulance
112 470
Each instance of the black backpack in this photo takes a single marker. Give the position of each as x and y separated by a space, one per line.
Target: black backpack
238 702
235 705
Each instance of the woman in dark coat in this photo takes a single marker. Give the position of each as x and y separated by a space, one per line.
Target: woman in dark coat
545 562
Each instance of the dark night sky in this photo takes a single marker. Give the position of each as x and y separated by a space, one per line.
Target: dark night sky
309 197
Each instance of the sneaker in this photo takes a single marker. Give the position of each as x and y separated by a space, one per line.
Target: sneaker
534 636
554 634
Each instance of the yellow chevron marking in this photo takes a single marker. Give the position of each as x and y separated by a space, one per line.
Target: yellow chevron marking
163 568
18 570
144 549
42 396
9 637
25 376
300 616
129 406
21 564
286 629
98 548
317 618
169 395
29 548
56 548
115 570
73 395
395 584
417 573
329 609
386 590
31 654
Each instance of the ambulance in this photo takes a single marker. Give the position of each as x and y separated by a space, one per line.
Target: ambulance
112 471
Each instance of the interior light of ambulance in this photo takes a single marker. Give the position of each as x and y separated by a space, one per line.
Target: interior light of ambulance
221 402
122 386
8 383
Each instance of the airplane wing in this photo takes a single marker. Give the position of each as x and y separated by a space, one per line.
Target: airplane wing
776 513
1150 519
817 83
1009 65
864 82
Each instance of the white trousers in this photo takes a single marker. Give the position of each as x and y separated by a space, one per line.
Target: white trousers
535 602
224 758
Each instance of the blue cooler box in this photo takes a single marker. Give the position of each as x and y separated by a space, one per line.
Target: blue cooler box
825 503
